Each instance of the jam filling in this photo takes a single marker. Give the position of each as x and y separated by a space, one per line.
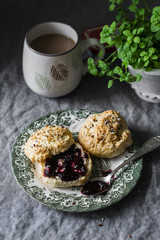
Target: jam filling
68 166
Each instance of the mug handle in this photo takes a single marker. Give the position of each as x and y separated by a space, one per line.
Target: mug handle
84 44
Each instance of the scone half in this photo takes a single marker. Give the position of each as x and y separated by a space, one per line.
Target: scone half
105 135
48 141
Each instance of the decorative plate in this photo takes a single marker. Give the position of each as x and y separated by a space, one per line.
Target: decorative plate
71 199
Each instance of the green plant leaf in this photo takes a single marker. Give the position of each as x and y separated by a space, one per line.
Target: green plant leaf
140 30
147 69
113 25
118 70
146 63
134 31
118 41
142 45
101 64
142 12
113 59
145 58
110 83
90 60
155 19
110 73
122 78
134 48
136 39
102 73
100 53
127 33
133 8
119 1
138 77
129 38
157 36
155 28
92 67
143 53
105 29
108 40
135 1
121 54
129 54
122 26
126 48
93 72
151 50
154 57
139 61
156 10
112 7
157 65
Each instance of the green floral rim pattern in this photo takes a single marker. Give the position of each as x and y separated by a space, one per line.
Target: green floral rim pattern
71 199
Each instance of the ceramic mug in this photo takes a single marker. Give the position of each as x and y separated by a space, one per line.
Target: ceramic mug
55 75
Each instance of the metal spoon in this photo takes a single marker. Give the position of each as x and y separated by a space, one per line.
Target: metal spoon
147 147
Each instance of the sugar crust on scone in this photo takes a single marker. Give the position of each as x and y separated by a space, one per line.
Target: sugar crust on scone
57 182
48 141
105 135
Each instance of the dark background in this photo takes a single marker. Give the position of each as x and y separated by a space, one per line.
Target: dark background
19 16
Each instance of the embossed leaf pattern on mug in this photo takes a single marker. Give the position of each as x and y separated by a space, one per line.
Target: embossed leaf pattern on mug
59 72
42 81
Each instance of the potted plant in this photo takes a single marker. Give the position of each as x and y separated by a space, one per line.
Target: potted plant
136 36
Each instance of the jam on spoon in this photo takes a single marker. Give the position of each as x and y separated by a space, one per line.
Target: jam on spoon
93 188
96 187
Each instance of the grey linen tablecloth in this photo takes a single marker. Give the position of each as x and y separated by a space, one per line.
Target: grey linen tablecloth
22 218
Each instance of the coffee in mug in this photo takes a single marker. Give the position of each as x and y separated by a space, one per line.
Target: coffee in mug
52 44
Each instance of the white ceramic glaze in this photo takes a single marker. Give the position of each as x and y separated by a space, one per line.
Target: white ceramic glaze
55 75
149 87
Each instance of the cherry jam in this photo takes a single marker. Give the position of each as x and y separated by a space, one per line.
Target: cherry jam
68 166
